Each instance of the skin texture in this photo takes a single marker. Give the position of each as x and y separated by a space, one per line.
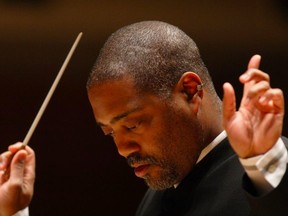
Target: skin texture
17 182
163 139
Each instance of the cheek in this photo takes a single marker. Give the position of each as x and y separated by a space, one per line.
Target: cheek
160 136
181 140
166 142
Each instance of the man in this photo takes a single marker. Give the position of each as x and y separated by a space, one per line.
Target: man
17 176
150 90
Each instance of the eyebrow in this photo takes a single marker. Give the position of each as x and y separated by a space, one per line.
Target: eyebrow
120 116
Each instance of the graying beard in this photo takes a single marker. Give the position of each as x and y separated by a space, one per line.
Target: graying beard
167 179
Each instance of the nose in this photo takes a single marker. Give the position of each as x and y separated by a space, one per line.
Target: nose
126 145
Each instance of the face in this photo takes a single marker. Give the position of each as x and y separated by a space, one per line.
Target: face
160 140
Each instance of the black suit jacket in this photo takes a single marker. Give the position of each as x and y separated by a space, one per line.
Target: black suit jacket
217 185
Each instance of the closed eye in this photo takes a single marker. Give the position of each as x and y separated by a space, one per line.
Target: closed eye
133 127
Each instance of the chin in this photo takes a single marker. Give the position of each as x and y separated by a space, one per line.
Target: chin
161 183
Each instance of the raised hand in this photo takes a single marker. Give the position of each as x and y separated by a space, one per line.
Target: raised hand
256 126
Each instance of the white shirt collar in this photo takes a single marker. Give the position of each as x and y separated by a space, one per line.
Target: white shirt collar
212 145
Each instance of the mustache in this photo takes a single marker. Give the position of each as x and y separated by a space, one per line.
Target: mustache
136 158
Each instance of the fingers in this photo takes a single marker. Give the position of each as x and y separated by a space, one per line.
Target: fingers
257 90
254 75
15 147
272 100
23 159
22 175
17 176
29 175
17 167
5 159
229 103
254 62
255 81
14 161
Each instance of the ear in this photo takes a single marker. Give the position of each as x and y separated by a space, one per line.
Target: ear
190 85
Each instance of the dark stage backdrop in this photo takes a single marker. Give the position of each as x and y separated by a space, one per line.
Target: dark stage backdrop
78 169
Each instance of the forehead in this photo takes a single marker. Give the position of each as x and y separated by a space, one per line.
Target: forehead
114 97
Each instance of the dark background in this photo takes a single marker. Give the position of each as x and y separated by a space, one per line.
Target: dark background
78 170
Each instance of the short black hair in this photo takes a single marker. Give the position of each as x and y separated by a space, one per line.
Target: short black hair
154 54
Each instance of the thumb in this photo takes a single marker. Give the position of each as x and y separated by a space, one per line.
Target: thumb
17 166
229 103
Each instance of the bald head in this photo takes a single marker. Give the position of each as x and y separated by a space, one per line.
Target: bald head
153 53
